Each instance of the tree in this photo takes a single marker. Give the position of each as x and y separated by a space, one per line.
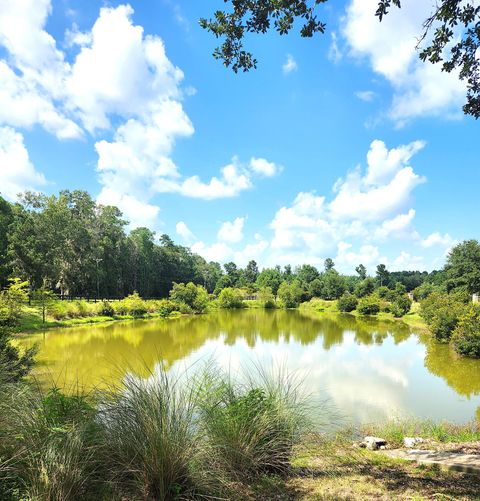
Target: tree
232 272
451 33
13 364
290 294
362 271
307 274
463 267
6 218
270 277
333 284
329 264
382 274
365 287
251 272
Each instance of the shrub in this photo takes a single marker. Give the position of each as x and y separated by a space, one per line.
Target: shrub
369 305
230 298
442 313
194 296
254 426
132 305
266 297
105 309
290 294
423 291
348 302
401 306
466 337
165 307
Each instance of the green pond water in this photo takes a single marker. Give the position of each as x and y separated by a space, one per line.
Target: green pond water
367 369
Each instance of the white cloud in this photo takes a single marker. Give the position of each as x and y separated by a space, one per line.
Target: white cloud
365 95
373 207
436 238
334 52
263 167
348 259
289 65
251 251
420 89
137 212
184 231
231 231
17 173
218 251
405 261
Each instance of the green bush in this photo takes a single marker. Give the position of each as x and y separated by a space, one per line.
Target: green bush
131 305
290 294
442 313
105 309
401 306
166 307
466 337
369 305
266 297
194 296
348 302
230 298
423 291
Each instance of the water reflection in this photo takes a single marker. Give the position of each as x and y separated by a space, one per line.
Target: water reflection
369 369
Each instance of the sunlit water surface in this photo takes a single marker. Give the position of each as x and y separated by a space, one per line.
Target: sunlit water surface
368 370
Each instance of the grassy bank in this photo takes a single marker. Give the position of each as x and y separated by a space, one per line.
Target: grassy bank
412 318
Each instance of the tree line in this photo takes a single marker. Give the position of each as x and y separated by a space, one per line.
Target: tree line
69 244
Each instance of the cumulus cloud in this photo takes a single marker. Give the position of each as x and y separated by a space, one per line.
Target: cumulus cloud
373 206
420 89
289 65
184 231
17 173
231 231
437 239
263 167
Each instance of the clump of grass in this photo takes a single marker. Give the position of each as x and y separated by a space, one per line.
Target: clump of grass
151 443
253 426
47 440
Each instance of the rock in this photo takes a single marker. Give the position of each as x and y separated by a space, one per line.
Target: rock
411 442
373 443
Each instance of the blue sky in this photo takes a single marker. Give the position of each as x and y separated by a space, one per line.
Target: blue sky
341 146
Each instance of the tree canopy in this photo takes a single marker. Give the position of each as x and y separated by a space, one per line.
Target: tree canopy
450 35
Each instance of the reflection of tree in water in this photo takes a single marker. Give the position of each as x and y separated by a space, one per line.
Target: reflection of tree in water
461 374
100 353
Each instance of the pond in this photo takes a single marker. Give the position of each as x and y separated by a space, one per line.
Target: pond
367 369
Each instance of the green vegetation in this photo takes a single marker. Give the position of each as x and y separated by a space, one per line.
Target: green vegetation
347 303
166 437
369 305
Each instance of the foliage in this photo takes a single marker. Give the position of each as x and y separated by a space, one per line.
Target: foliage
257 16
270 277
290 294
466 337
106 309
365 287
463 267
166 307
362 271
333 284
423 291
368 305
231 298
401 306
132 305
451 32
382 274
442 313
266 297
347 303
14 365
194 296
